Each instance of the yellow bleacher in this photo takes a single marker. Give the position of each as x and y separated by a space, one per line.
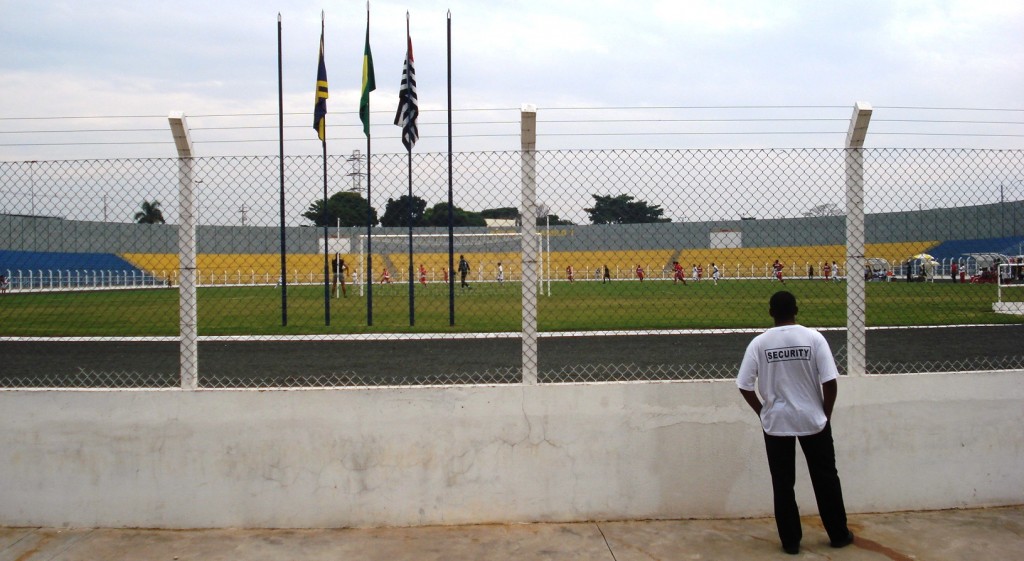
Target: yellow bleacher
621 263
260 268
757 261
484 265
239 268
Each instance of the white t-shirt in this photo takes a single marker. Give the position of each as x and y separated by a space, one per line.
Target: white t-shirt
789 364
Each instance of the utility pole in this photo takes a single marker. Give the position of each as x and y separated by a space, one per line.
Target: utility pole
357 172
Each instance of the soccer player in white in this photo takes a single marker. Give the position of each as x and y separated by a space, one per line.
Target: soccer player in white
714 273
792 369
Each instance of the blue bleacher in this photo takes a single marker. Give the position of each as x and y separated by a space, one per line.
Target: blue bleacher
54 261
955 249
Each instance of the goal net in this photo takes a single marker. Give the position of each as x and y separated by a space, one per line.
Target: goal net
492 256
1010 281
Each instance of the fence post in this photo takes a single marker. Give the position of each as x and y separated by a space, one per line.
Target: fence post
856 296
187 299
528 226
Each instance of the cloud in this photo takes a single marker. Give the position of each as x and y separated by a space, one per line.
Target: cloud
111 58
729 18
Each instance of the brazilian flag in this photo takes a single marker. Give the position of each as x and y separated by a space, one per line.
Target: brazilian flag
369 84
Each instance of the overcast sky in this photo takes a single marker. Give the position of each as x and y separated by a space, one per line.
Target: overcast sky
128 58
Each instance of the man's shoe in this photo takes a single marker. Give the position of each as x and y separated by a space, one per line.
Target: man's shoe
843 542
791 549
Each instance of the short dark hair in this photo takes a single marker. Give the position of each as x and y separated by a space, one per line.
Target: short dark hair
782 305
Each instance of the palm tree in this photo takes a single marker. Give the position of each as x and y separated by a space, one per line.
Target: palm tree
150 213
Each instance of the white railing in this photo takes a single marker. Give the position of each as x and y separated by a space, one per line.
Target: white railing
47 280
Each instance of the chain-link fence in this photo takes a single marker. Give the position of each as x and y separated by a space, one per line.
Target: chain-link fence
652 265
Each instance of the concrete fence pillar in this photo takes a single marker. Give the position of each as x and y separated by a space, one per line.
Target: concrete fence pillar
856 295
187 218
530 248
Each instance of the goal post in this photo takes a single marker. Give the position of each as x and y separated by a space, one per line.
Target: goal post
483 250
1010 289
1008 278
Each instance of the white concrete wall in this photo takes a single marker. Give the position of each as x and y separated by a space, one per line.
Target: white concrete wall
369 457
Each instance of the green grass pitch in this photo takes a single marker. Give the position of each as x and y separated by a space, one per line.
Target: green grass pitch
490 307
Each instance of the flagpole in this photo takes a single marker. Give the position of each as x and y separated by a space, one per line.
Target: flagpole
280 130
327 283
412 286
367 78
405 117
320 122
369 234
451 210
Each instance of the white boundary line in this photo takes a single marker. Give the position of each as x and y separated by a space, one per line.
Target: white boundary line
456 336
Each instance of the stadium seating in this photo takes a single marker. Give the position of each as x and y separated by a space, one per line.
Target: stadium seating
756 261
955 249
56 261
743 262
240 268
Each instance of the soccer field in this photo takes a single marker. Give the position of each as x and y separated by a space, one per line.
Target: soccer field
490 307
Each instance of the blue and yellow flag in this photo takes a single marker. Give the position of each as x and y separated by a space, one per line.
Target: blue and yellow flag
369 84
320 107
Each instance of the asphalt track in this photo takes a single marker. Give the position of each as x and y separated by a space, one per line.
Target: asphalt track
252 363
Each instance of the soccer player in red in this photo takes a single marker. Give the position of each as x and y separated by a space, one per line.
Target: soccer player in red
444 271
826 270
385 277
700 272
640 273
677 273
570 274
777 271
423 275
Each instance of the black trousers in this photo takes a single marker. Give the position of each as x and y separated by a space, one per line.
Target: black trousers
820 453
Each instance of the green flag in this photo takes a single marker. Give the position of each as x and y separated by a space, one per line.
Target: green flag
368 82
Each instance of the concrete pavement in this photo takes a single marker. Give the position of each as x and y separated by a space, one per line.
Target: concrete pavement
269 363
953 535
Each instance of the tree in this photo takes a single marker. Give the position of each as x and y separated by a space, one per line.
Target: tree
351 208
553 220
829 209
396 213
512 213
150 213
503 213
437 215
623 209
